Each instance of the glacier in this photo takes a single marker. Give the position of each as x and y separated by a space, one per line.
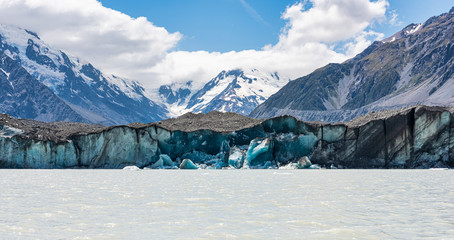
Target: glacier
414 137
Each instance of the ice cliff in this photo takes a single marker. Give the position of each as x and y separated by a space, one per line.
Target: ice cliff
414 137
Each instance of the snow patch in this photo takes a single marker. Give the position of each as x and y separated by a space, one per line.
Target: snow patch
126 86
414 29
6 73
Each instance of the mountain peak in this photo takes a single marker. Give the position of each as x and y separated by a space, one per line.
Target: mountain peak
236 90
97 97
405 32
417 69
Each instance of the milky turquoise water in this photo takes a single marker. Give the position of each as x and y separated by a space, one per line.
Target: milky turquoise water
226 204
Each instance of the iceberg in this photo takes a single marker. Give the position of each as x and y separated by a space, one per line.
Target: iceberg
164 162
304 163
131 168
187 164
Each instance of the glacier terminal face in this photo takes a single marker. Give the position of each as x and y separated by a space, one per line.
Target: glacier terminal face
414 137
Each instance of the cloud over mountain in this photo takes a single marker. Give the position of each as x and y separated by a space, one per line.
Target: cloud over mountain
113 41
317 32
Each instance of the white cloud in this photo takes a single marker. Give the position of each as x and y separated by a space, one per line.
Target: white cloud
135 48
306 43
109 39
394 18
329 20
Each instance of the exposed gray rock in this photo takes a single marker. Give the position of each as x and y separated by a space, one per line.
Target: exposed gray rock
214 121
414 66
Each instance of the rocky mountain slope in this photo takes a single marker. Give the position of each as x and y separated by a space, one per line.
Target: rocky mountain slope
21 95
414 137
93 95
239 91
415 66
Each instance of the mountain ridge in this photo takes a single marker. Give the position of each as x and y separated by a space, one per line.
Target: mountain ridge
236 90
414 66
98 97
21 95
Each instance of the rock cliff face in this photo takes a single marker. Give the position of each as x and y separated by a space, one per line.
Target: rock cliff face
415 137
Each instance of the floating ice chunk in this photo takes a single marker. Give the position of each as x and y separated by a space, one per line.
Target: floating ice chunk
131 168
304 163
219 161
158 164
187 164
315 166
164 162
236 157
166 159
289 166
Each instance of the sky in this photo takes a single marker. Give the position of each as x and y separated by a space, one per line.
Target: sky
175 41
226 25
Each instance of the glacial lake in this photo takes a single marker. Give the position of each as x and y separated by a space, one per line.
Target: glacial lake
227 204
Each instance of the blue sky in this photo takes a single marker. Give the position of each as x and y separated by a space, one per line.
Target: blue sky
160 42
225 25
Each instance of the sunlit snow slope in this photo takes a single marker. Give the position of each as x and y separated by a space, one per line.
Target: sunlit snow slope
237 91
97 97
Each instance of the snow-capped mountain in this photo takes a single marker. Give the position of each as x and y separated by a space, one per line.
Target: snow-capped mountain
414 66
95 96
22 95
174 94
237 91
